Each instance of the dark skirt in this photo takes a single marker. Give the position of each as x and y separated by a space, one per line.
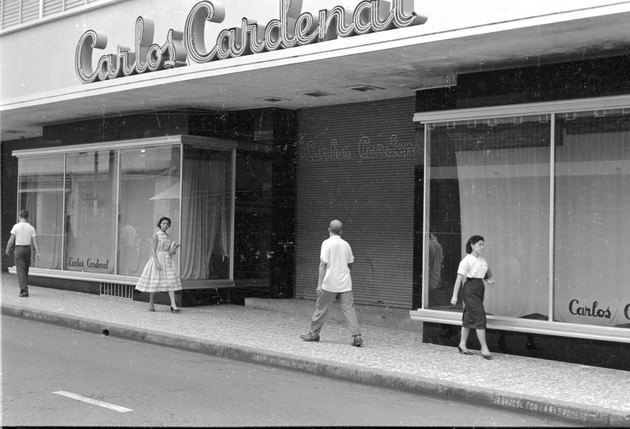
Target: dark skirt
474 315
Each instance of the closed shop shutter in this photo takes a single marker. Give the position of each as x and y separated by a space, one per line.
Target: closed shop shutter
356 164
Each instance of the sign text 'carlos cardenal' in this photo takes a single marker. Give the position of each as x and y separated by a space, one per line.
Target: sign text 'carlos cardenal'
292 29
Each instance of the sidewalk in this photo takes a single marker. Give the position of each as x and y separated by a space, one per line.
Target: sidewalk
391 358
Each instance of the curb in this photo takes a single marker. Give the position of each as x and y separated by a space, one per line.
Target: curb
570 411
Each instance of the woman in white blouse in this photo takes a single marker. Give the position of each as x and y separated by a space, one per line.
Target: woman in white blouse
472 272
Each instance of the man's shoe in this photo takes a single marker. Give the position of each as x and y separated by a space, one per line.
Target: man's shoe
357 341
310 337
24 294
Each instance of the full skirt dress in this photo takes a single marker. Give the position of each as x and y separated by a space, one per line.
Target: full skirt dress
164 280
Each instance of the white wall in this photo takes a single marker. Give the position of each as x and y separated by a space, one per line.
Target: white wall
40 59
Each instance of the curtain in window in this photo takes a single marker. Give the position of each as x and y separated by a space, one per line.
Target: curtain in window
593 225
91 207
504 196
41 193
205 224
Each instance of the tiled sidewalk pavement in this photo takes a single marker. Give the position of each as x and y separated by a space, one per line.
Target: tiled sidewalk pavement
389 357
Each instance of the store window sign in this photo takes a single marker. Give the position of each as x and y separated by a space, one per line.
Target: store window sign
590 310
607 311
90 264
292 29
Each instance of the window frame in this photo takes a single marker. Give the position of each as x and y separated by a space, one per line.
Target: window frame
553 108
178 140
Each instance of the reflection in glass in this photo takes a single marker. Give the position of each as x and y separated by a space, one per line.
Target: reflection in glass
40 191
149 189
91 211
592 219
491 178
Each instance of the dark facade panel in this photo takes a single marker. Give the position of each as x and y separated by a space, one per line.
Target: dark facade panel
595 77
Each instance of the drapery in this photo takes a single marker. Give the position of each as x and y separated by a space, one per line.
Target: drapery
41 193
48 226
504 196
593 227
205 220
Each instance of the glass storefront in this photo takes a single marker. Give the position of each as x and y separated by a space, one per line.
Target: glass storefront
149 189
41 192
207 214
96 208
592 218
550 193
90 211
491 178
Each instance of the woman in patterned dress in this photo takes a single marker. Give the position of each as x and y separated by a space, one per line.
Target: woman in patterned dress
160 274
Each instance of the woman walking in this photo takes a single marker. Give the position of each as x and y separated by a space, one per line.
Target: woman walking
160 274
472 272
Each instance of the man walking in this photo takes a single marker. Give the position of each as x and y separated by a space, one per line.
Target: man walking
335 282
22 235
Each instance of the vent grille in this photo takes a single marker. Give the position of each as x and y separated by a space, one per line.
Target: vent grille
117 290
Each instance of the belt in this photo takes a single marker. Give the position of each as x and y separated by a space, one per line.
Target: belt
472 278
22 245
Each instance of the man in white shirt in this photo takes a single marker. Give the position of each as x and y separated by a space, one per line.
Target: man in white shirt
334 282
23 235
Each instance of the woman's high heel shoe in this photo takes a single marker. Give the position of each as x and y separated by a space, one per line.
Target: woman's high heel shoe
175 310
462 351
488 356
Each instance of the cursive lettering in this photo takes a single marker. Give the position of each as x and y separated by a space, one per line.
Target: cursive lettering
147 56
586 311
393 149
333 152
97 264
292 29
78 262
75 262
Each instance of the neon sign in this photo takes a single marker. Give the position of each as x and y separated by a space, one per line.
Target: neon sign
292 29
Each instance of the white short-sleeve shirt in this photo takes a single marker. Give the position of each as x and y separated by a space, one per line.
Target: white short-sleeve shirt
337 254
473 267
24 232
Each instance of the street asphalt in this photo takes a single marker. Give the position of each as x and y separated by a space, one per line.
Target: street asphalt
391 358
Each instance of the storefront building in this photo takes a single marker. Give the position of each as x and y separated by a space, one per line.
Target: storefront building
252 126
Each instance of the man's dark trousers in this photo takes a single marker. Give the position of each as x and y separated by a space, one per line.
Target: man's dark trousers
22 264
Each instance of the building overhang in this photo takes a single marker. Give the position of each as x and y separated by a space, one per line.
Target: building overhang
377 66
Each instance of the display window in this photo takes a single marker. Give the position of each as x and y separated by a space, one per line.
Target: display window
41 192
491 178
96 209
207 214
550 193
90 211
592 214
149 189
